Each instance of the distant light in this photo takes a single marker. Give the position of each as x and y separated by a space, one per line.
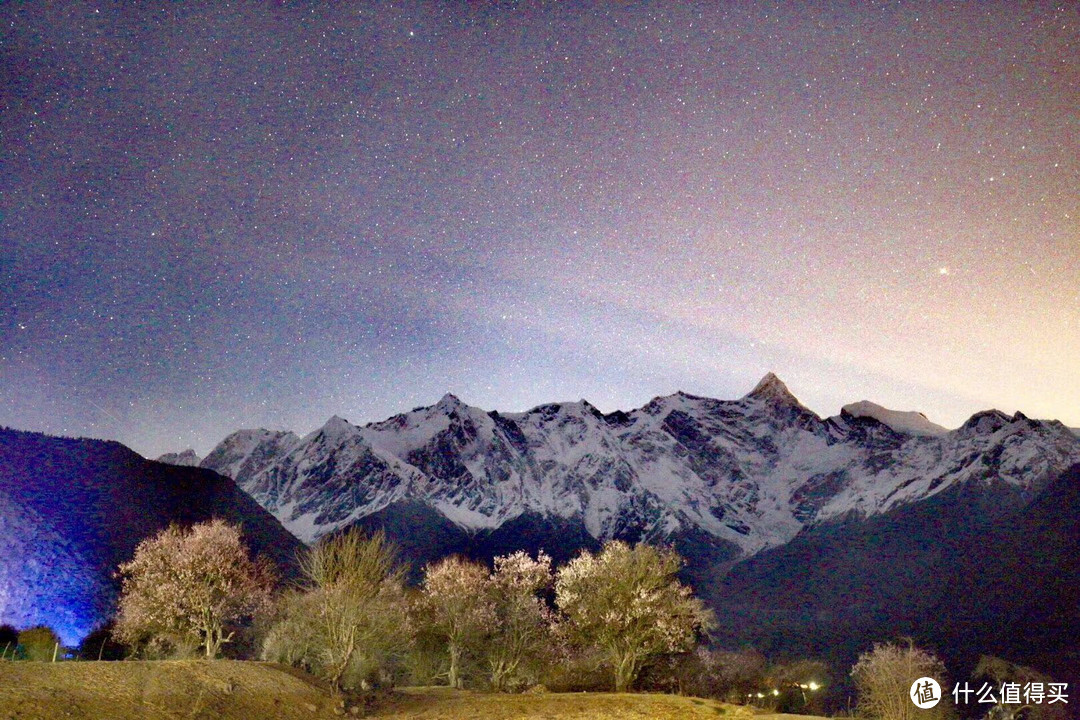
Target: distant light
760 695
814 686
775 691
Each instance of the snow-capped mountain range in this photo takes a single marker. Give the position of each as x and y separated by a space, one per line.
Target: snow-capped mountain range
752 471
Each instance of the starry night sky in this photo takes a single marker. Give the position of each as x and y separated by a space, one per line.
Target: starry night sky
216 216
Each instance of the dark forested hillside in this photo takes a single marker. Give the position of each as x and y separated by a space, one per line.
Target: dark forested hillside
964 573
72 510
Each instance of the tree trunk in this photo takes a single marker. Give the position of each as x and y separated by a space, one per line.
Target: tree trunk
211 645
625 672
215 638
501 672
208 639
455 661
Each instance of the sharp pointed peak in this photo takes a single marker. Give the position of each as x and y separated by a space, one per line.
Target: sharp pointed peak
581 407
336 422
335 429
449 404
581 404
772 388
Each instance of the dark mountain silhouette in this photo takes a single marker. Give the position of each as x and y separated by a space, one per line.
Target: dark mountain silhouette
970 571
72 510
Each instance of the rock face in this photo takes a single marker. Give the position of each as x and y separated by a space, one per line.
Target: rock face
744 475
72 510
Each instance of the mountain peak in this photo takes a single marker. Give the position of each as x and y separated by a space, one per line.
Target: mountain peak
986 422
772 388
449 402
336 425
905 423
187 458
738 471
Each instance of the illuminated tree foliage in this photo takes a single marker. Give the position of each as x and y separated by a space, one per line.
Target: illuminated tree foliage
627 602
884 676
455 605
38 643
522 617
189 587
351 620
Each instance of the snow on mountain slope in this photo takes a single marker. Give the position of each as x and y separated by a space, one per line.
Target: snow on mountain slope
752 471
246 453
187 458
322 481
908 423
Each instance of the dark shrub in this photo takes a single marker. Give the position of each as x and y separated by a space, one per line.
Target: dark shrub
101 645
38 643
9 638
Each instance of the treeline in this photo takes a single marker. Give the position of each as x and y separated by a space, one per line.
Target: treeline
354 622
597 622
615 619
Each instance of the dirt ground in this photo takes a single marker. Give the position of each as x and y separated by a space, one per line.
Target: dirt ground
445 704
158 690
230 690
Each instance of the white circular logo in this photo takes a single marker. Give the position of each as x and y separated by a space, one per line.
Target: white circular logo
925 693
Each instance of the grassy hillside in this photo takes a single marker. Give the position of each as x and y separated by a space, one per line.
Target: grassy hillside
228 690
157 691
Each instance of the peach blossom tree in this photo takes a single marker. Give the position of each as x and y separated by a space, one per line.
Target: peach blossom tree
189 587
522 617
626 602
454 605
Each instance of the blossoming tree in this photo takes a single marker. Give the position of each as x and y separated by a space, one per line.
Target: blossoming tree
455 605
522 617
189 586
627 602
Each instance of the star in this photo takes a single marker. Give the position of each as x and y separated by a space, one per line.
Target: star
241 219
